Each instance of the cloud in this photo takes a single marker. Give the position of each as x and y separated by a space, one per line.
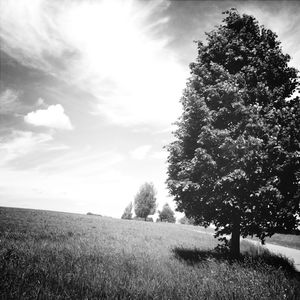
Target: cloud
114 50
20 143
9 101
30 34
58 148
141 152
83 164
53 117
121 52
83 180
40 102
133 84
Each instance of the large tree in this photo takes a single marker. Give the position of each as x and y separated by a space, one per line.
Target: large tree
145 201
235 159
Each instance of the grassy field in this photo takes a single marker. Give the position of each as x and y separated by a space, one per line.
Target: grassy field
51 255
286 240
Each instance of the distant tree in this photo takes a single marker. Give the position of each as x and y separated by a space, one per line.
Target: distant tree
166 214
186 220
148 219
235 161
145 201
127 212
92 214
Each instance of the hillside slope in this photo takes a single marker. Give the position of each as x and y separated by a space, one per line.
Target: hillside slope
52 255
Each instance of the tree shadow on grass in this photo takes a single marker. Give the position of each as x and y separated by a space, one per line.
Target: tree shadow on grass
247 259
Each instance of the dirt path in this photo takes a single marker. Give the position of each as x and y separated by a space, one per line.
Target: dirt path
290 253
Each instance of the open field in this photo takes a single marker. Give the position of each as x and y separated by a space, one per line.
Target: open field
51 255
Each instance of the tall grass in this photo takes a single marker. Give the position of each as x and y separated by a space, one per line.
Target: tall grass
49 255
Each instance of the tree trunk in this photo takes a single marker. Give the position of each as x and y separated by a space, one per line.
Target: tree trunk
235 237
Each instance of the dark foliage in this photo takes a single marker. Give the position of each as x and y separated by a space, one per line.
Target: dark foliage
167 214
186 220
196 256
127 212
145 201
235 161
92 214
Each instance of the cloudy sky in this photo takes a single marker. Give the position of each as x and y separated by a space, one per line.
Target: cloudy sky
89 90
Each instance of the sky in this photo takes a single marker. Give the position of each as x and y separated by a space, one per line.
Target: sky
90 89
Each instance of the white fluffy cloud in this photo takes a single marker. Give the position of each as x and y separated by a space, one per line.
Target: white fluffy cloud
53 117
115 50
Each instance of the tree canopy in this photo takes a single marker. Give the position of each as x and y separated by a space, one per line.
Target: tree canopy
127 212
167 214
235 159
145 201
186 220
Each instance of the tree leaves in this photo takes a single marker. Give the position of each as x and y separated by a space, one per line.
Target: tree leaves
145 201
238 140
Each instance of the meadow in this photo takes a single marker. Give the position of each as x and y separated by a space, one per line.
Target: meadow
53 255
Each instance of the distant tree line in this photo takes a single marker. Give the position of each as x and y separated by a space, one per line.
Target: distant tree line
145 205
92 214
